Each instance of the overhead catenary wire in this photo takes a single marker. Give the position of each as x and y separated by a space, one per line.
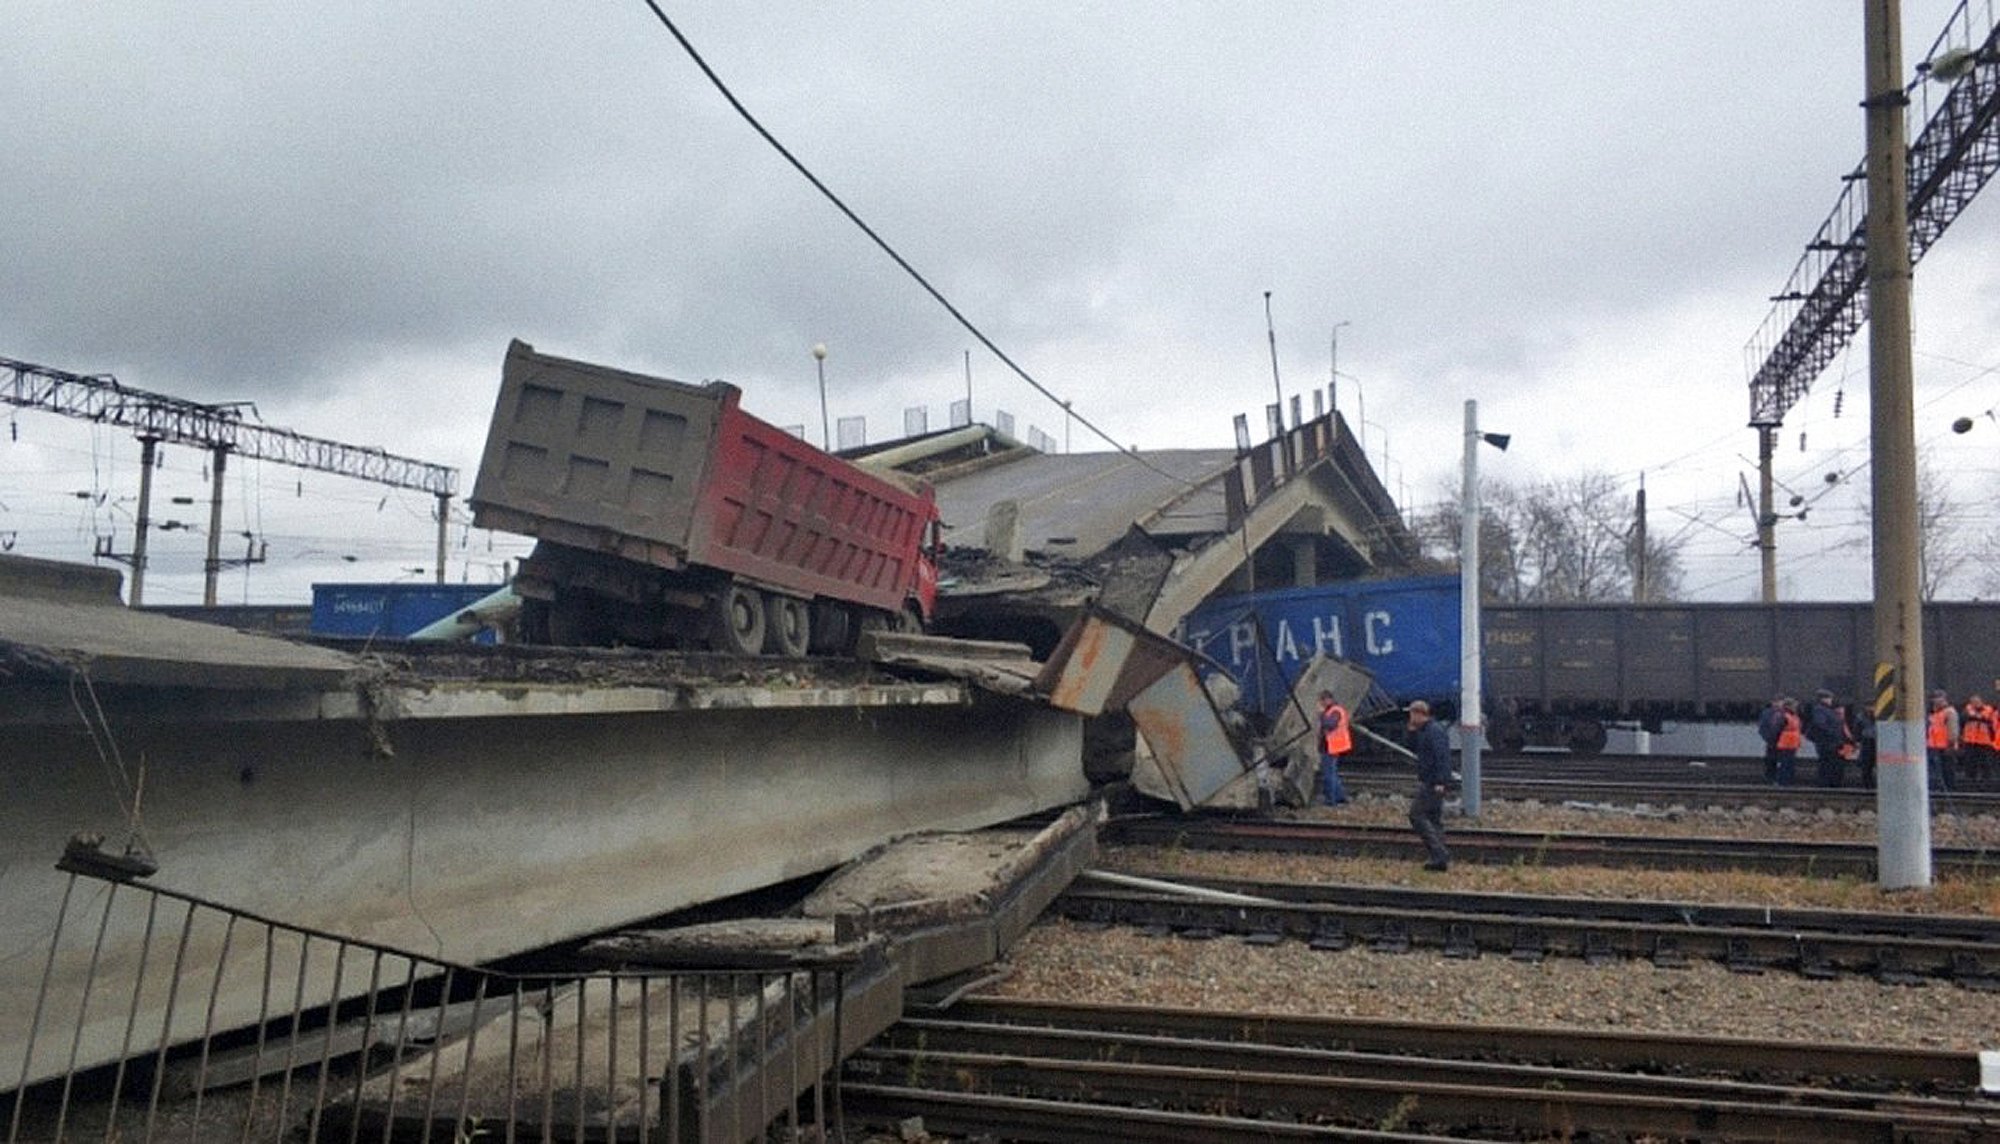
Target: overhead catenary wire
883 244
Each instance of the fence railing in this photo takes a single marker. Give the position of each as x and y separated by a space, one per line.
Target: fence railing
353 1041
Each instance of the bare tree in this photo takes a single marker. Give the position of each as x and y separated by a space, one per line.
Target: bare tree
1558 540
1944 545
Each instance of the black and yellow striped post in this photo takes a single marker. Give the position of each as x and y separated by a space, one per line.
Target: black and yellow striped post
1885 690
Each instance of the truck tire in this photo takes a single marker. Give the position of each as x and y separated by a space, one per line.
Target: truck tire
832 628
531 626
577 619
788 623
736 620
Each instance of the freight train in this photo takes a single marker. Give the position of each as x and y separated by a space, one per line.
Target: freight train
665 516
1557 674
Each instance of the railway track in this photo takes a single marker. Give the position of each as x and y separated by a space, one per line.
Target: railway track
1512 847
1671 773
1059 1072
1894 948
1629 792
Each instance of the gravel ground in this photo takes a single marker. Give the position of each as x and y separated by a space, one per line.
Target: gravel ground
1059 960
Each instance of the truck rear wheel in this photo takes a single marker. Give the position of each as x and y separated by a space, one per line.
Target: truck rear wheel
788 621
736 620
578 619
832 628
531 626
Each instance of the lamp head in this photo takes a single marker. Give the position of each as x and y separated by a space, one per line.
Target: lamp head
1952 64
1497 440
819 350
1962 425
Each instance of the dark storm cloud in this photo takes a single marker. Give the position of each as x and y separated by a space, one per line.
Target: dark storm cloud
240 202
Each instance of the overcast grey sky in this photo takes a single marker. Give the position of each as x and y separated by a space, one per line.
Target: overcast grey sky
1573 212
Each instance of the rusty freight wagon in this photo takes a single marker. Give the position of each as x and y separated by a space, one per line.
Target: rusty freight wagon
1557 672
664 515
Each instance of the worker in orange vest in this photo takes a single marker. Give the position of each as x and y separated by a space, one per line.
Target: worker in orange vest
1336 738
1979 735
1791 736
1941 739
1770 727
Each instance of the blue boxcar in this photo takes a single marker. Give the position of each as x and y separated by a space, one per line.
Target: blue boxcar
390 610
1404 631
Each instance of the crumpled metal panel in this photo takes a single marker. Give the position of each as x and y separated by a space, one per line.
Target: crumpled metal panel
1193 756
1108 663
1103 661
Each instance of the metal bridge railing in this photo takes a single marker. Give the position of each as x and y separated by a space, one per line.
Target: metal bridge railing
355 1041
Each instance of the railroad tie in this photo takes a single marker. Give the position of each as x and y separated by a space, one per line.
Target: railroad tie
1329 936
1815 962
1598 948
1667 952
1890 970
1971 971
1393 937
1459 941
1531 944
1741 958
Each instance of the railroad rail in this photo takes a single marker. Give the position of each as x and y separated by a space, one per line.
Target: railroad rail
1519 847
1078 1071
1978 930
1467 926
1683 768
1671 791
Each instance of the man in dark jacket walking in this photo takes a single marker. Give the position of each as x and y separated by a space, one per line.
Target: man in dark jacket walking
1433 750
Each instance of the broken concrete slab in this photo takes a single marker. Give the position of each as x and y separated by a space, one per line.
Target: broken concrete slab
949 902
65 621
999 666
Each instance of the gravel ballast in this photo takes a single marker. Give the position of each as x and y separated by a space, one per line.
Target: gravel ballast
1062 961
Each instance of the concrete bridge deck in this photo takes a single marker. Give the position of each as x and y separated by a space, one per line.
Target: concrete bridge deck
469 806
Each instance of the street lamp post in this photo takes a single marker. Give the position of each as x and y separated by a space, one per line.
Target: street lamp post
1333 368
825 429
1471 723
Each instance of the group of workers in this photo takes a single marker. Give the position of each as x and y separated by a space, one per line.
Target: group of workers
1959 743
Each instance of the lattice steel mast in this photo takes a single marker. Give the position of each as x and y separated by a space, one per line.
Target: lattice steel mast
1826 299
155 418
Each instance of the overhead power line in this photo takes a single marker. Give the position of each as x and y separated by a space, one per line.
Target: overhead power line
716 81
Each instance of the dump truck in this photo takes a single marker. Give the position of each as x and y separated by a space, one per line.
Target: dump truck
666 516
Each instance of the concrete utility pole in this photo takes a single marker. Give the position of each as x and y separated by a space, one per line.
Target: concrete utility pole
1642 592
149 451
1902 787
1767 516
